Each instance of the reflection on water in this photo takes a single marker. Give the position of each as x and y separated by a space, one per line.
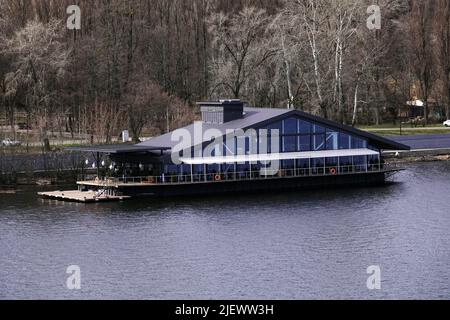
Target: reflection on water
314 244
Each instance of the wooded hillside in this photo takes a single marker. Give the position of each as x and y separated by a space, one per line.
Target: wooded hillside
142 64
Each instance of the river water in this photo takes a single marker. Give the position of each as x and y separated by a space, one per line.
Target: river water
315 244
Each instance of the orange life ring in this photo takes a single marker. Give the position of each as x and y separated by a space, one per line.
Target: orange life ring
217 177
333 171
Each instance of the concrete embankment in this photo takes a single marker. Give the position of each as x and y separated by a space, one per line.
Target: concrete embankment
419 155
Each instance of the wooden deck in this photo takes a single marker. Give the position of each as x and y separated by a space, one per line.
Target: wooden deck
79 196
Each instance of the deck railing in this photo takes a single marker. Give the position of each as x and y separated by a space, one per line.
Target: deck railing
240 176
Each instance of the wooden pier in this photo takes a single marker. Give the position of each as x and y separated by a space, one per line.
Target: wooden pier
81 196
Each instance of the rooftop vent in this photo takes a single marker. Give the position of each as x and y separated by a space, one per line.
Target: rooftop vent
221 111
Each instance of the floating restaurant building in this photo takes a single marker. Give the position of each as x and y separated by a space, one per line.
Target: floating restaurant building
236 149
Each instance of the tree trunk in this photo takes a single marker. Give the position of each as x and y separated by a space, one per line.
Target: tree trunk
377 115
355 106
288 75
47 147
425 103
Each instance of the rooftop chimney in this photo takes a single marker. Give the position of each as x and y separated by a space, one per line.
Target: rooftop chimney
222 111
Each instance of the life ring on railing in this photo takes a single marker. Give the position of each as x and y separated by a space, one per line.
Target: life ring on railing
217 177
333 171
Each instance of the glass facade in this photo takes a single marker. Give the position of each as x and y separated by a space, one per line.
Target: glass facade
290 135
313 166
297 135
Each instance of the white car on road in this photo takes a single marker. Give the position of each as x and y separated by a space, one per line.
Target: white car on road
447 123
11 143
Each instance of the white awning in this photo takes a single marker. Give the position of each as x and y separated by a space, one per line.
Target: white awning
255 158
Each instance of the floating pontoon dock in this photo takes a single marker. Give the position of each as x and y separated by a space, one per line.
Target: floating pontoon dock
81 196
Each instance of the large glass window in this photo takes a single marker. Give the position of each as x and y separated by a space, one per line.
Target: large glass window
185 169
172 169
288 164
213 168
318 129
303 164
304 127
227 168
318 166
289 144
345 161
358 143
332 140
318 163
318 141
360 163
344 141
309 136
243 170
290 126
359 160
304 143
331 162
198 169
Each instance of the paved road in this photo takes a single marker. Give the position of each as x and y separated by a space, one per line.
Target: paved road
409 129
434 141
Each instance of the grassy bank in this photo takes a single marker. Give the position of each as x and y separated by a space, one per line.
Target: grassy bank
389 129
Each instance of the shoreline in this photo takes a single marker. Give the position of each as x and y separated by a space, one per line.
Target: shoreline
414 156
9 183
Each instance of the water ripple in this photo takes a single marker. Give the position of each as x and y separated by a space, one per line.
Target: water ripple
314 244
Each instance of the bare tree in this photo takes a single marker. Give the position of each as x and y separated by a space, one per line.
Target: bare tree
420 33
323 37
311 20
442 44
316 55
282 40
147 103
238 50
40 60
